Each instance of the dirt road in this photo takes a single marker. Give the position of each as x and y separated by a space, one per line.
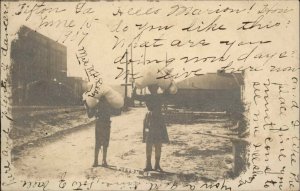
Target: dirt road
189 155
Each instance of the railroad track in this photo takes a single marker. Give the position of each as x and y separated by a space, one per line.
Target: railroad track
20 112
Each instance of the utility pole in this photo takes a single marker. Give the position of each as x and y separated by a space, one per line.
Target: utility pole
144 65
126 83
126 75
132 75
132 78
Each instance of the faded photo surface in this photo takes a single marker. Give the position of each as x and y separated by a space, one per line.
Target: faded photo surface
150 95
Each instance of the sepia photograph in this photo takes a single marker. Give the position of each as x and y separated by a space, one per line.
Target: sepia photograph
150 95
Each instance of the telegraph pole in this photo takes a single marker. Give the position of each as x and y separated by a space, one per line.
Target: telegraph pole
126 75
126 83
132 76
132 79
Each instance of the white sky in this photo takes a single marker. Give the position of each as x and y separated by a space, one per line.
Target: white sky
100 40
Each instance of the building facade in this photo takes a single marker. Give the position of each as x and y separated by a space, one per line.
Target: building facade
39 71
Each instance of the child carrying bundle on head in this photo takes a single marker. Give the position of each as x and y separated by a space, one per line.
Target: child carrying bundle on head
154 129
100 106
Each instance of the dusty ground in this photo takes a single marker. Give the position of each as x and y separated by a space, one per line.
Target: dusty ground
188 157
26 130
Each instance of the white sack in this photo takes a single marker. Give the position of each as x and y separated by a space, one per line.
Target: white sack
90 101
113 97
97 91
150 75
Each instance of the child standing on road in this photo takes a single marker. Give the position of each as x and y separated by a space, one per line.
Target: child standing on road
102 113
155 131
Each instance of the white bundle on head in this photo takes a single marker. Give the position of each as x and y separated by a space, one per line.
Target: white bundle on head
155 74
148 77
93 96
91 102
98 90
114 98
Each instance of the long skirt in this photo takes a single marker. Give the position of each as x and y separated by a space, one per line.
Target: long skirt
155 130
